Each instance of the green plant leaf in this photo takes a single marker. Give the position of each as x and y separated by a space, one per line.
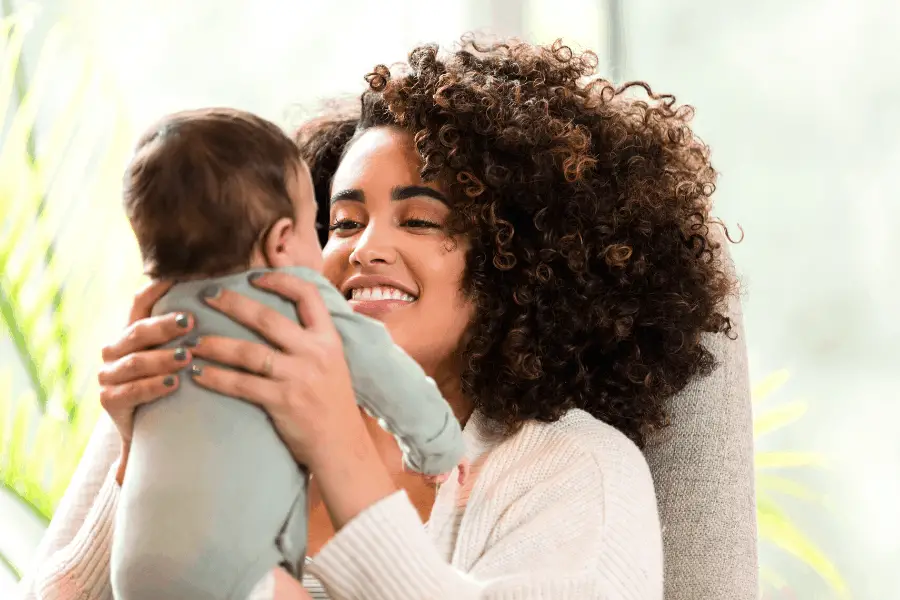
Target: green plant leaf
768 386
9 566
52 304
768 484
774 525
776 528
777 418
25 202
771 578
788 460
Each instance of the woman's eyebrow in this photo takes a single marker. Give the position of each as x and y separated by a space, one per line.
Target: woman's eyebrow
352 195
405 192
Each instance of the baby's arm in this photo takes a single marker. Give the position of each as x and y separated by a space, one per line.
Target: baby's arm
394 389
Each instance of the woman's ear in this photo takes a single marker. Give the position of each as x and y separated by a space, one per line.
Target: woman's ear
277 246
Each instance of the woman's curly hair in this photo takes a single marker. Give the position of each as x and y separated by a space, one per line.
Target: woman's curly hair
592 264
322 142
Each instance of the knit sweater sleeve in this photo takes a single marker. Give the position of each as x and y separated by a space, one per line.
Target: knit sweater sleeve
572 526
72 561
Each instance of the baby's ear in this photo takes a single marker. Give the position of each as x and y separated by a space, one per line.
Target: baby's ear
278 244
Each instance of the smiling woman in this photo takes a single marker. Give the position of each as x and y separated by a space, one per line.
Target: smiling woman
389 228
554 238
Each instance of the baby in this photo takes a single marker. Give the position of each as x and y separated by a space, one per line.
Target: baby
212 500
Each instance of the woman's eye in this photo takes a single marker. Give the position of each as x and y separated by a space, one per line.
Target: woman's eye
421 224
343 225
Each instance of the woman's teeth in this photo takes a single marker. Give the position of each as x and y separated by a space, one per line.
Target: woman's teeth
381 293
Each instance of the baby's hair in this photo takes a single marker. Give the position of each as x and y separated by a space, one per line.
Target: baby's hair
203 189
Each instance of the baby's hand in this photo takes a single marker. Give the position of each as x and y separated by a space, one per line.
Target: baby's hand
463 473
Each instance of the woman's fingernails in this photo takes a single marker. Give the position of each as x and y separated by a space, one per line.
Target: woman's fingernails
254 277
180 354
169 381
196 370
191 342
182 320
211 292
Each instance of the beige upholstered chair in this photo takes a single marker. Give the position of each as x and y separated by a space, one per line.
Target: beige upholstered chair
702 465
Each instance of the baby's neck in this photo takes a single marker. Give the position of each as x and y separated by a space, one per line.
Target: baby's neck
257 261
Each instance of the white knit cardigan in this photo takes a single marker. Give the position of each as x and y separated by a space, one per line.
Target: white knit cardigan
557 511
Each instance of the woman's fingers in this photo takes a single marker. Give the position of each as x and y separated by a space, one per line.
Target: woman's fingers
122 399
261 391
141 365
311 308
269 323
149 332
250 356
146 297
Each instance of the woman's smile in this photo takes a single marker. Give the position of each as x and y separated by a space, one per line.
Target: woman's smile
375 296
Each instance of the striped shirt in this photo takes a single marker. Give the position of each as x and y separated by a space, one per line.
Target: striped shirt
313 586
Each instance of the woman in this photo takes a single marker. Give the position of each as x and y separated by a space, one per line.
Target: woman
554 236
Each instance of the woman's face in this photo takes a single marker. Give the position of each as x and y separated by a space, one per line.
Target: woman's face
388 251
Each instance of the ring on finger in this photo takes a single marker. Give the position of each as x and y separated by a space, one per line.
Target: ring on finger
267 364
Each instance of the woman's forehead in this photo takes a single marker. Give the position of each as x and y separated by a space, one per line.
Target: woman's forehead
380 157
381 149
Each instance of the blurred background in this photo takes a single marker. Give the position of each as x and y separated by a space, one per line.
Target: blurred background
798 101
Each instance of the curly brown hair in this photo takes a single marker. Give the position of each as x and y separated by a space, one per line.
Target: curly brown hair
322 142
592 264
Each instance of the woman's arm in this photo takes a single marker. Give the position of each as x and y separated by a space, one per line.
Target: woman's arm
548 521
80 570
99 455
553 533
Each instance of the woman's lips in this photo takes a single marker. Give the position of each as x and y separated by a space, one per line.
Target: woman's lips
377 309
377 300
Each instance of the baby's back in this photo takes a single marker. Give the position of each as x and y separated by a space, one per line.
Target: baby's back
210 487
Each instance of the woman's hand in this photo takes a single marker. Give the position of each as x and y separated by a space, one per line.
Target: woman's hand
304 385
133 375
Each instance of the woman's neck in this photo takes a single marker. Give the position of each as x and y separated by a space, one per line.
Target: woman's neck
449 382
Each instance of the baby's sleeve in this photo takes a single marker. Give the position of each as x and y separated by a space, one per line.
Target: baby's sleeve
393 388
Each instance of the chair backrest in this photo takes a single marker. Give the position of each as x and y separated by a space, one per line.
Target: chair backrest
702 466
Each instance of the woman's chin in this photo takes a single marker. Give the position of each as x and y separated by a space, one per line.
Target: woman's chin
378 309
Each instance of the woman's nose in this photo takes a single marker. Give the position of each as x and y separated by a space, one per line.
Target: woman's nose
374 247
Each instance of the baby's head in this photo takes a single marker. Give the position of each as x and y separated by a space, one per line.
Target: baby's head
217 191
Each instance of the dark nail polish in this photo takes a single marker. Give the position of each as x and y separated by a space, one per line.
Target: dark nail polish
196 370
254 276
210 292
191 342
180 354
169 381
182 320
